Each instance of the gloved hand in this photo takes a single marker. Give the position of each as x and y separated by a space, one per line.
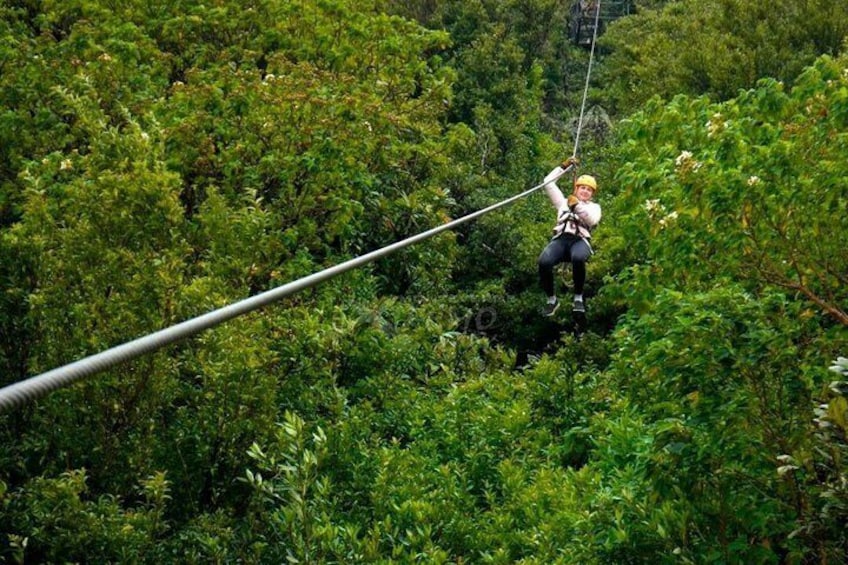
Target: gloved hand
572 200
569 162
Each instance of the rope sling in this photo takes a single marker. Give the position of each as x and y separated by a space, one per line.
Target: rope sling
27 390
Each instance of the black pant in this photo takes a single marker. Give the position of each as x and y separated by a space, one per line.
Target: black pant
567 247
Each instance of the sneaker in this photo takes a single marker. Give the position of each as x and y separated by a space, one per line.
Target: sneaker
549 309
578 306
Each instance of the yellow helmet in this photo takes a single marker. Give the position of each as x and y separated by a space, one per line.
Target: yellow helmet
587 180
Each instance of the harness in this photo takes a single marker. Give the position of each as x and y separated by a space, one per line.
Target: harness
570 216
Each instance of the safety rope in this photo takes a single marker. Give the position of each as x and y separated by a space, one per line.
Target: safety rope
27 390
588 76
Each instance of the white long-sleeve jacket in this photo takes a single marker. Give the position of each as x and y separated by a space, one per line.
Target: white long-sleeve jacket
588 214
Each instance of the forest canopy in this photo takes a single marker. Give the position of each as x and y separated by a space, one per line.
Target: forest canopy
159 160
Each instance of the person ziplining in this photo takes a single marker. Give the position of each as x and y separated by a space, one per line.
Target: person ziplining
577 216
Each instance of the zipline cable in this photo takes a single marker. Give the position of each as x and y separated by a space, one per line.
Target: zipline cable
34 387
588 75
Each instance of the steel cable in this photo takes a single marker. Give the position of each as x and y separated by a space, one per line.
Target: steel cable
34 387
588 76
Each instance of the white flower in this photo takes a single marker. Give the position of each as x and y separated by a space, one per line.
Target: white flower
668 219
715 124
685 163
683 158
65 165
651 205
656 210
753 180
783 469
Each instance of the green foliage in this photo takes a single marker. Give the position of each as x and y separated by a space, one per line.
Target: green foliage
715 380
715 48
162 159
747 190
103 259
731 299
513 65
298 527
815 473
59 520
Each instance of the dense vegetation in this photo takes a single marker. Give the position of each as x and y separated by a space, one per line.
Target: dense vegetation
162 159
